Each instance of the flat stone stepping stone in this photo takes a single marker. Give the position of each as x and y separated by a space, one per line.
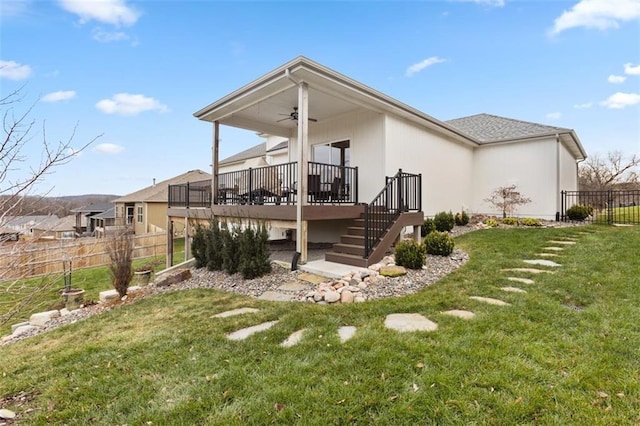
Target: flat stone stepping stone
274 296
293 339
547 254
458 313
553 248
521 280
409 322
235 312
7 414
312 278
542 262
561 242
513 289
530 270
243 333
294 286
490 301
282 263
346 332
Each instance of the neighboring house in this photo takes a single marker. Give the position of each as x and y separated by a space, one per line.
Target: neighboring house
272 151
146 209
84 226
104 223
346 145
8 234
26 225
62 229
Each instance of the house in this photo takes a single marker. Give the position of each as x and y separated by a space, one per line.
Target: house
84 225
363 166
62 229
27 225
273 151
146 209
104 223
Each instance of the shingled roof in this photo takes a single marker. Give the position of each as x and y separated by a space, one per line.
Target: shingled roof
487 128
259 150
159 193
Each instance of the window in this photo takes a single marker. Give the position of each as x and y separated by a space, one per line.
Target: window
139 214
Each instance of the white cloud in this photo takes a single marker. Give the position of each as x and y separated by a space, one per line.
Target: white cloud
14 8
631 69
585 105
14 71
554 115
128 104
102 36
599 14
621 100
416 68
114 12
108 148
616 79
61 95
494 3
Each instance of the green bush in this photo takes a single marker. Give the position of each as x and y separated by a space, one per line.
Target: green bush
410 254
253 248
490 222
530 221
509 221
444 221
427 227
439 243
579 212
214 246
199 245
462 218
230 246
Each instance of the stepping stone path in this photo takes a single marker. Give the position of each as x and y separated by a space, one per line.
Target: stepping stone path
569 243
293 339
346 332
234 312
490 301
521 280
547 254
409 322
275 296
529 270
553 248
513 289
459 314
249 331
543 262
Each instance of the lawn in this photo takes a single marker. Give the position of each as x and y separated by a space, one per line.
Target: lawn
630 215
565 352
92 280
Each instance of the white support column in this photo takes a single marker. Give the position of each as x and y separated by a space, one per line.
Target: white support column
303 140
214 163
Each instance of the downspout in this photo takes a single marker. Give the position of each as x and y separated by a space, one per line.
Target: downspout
558 195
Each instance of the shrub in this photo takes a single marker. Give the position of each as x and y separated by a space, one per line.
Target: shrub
253 248
198 246
427 227
579 212
444 221
214 247
462 218
530 221
491 222
230 258
509 221
439 243
410 254
120 250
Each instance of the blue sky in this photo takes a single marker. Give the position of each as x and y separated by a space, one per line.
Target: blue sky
135 71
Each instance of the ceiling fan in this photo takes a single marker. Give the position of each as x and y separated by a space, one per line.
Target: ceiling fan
294 116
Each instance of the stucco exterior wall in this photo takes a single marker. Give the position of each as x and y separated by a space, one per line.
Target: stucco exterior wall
530 165
156 217
446 166
568 170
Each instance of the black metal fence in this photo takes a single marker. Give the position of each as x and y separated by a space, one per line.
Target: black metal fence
402 193
608 207
276 185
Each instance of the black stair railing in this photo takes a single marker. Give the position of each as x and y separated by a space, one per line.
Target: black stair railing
402 193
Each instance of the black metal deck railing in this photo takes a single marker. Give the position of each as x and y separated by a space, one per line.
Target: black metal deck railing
275 185
605 206
401 194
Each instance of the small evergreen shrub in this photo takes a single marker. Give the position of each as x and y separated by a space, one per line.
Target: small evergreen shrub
462 218
230 243
509 221
444 221
214 247
427 227
253 248
439 243
579 212
491 222
530 221
410 254
199 245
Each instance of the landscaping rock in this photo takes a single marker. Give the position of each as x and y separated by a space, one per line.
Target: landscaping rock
14 327
23 330
7 414
393 271
39 319
331 296
359 298
108 295
346 332
175 277
346 297
293 339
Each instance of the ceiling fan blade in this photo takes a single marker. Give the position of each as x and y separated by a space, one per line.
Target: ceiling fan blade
313 119
283 119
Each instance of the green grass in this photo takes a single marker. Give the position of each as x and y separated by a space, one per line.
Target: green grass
165 359
630 215
92 280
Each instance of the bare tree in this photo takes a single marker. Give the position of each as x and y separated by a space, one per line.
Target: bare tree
507 199
18 179
120 249
614 170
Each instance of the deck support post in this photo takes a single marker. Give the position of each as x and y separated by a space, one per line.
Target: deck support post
303 140
214 163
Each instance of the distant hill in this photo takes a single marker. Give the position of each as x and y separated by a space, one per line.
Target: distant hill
59 206
86 198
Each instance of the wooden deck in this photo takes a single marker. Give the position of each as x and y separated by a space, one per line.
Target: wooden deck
284 213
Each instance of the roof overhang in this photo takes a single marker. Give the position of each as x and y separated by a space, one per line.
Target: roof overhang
568 137
264 104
